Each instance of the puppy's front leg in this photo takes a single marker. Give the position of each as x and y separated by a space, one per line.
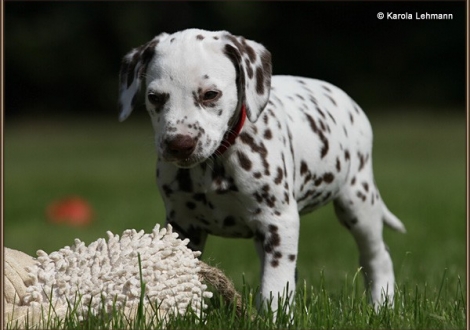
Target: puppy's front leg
276 244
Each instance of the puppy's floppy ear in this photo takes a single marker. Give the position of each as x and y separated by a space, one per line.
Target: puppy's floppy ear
252 62
131 74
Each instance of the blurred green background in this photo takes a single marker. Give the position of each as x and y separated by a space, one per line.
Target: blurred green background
61 135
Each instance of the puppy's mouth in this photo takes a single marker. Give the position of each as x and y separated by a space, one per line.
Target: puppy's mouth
188 162
185 162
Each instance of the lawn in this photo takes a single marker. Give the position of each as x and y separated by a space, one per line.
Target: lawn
419 164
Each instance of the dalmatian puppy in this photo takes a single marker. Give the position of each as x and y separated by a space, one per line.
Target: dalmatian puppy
305 143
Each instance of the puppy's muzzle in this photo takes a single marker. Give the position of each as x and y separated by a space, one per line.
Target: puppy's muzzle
179 147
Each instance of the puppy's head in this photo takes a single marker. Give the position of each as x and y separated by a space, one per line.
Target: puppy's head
195 83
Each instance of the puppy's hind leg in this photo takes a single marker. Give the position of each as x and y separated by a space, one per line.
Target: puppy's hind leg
360 209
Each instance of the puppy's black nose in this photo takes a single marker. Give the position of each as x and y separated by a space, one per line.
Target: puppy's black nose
180 146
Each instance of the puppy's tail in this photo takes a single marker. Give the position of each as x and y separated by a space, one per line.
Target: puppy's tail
392 221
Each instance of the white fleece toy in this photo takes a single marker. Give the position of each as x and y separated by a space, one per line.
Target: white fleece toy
106 275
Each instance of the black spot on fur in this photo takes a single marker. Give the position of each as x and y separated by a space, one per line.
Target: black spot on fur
257 148
320 112
366 186
362 160
356 108
244 161
277 255
353 181
268 248
259 237
268 135
223 183
323 139
200 197
361 196
190 205
303 167
249 68
272 228
338 165
264 195
326 88
229 221
286 198
194 234
183 177
167 190
259 81
331 117
328 177
279 176
331 99
275 239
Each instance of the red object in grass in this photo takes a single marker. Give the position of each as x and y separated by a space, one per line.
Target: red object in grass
73 211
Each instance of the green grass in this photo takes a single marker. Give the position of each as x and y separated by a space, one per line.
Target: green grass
419 164
415 307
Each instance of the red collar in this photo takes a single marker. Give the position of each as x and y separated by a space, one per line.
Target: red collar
231 135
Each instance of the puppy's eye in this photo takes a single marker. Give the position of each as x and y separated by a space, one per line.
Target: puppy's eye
210 96
157 98
153 98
